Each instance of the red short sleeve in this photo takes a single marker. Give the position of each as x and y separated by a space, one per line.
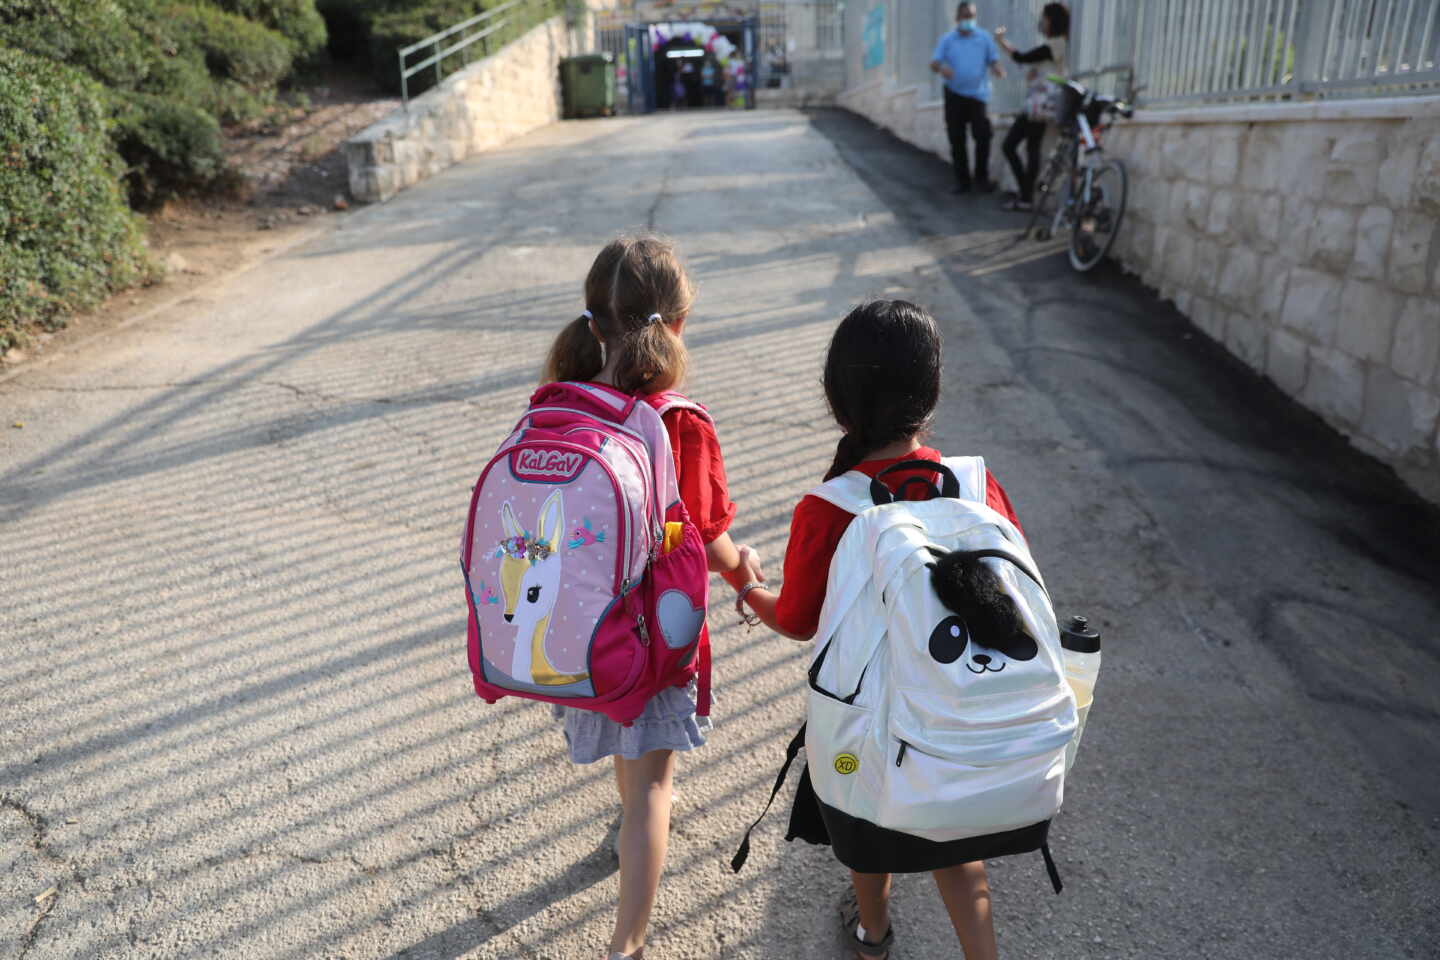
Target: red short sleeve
701 470
815 531
997 500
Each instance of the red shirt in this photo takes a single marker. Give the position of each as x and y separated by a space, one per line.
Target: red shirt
701 472
815 532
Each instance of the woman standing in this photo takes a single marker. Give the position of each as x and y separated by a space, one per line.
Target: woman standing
1049 57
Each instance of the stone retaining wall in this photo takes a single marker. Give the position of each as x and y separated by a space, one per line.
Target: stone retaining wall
501 97
1306 239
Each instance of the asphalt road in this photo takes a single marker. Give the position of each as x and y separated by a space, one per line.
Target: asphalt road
235 717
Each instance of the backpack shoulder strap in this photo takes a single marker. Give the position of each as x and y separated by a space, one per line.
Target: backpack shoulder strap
595 399
970 471
743 853
668 400
849 491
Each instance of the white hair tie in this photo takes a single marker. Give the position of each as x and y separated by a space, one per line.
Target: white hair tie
587 314
655 318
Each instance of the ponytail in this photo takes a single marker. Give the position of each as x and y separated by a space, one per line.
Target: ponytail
849 453
575 354
649 291
651 359
636 289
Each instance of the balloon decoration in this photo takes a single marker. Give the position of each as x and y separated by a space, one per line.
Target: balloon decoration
700 34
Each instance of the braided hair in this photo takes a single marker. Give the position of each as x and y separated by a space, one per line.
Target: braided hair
882 378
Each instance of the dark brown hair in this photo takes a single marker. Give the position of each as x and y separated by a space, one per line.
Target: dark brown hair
1059 16
633 279
882 378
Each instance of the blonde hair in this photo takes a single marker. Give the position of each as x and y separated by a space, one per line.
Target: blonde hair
635 290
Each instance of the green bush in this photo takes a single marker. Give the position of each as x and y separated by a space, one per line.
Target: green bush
167 147
390 32
297 20
235 64
232 48
373 31
100 37
172 71
67 238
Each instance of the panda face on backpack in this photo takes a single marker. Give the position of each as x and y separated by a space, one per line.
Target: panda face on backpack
951 640
982 628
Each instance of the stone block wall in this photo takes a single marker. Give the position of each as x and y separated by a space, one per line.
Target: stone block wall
503 96
1306 239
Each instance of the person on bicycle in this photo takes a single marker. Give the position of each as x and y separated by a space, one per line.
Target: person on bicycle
1048 58
965 57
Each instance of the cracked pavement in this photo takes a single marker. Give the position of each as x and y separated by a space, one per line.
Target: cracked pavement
235 716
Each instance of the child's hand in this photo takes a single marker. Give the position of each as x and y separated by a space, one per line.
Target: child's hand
750 563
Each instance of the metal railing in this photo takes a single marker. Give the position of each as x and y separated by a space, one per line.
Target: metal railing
1219 51
485 25
1184 52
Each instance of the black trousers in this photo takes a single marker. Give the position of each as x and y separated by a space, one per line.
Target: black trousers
1032 132
960 113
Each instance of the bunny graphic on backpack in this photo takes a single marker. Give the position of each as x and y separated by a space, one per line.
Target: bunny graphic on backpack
576 596
938 712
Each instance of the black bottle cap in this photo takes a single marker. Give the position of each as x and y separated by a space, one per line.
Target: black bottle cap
1077 635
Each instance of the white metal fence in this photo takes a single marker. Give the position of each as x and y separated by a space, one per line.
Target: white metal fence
1218 51
1183 52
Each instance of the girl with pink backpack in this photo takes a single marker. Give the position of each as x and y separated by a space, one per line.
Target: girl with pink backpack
618 480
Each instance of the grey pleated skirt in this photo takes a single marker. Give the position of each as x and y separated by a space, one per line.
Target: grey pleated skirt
668 723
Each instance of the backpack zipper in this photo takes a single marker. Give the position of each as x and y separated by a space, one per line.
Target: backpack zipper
900 756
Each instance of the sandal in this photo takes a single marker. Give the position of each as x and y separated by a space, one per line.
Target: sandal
850 927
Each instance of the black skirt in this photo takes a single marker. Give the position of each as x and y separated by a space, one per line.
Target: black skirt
868 848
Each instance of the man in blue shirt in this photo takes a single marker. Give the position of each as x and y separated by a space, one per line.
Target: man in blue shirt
965 57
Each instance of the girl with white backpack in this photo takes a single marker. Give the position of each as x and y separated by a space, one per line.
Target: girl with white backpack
922 612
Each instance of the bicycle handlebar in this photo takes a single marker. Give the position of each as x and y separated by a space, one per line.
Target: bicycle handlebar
1125 110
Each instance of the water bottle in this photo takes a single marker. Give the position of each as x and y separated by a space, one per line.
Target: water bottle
1080 648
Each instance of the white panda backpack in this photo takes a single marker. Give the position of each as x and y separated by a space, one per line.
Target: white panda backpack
939 712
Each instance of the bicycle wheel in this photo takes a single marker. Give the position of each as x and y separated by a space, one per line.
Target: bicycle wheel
1097 220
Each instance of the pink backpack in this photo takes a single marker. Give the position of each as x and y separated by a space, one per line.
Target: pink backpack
576 594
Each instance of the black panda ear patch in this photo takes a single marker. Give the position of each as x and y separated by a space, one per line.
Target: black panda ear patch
974 592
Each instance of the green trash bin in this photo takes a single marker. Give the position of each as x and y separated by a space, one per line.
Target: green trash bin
587 83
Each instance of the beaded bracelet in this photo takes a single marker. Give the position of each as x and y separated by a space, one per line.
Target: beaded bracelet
747 617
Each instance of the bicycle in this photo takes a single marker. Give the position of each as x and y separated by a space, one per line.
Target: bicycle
1079 187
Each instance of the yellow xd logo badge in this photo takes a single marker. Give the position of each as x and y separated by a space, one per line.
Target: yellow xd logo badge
846 763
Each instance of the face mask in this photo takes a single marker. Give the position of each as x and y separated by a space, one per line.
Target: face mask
968 24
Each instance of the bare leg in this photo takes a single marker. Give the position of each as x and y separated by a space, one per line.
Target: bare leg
644 836
966 892
872 896
620 779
